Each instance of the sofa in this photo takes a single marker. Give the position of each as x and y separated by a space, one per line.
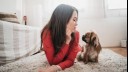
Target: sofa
17 41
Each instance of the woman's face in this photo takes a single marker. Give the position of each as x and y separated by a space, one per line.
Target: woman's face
73 22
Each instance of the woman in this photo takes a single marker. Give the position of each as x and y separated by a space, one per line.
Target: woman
60 39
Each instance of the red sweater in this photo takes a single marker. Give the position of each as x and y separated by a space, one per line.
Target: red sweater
67 54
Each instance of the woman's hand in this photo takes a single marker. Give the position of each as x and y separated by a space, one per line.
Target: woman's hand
68 35
53 68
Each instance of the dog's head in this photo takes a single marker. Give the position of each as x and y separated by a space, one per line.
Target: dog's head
91 38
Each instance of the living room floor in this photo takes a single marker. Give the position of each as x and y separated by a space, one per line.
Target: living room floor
120 50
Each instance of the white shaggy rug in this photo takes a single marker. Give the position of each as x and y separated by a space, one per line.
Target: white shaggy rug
109 61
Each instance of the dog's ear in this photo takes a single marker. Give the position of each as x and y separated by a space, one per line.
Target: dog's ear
96 42
94 39
92 36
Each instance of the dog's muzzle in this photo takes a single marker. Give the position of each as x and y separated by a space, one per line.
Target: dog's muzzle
83 38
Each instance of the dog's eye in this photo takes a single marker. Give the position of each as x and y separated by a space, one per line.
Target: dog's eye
94 39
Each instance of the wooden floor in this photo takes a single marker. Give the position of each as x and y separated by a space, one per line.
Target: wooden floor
121 51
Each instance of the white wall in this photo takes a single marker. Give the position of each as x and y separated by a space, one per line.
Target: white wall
8 5
34 12
111 30
12 6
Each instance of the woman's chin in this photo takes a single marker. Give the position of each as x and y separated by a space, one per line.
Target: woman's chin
74 30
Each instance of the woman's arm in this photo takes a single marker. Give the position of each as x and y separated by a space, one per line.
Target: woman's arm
62 65
53 68
49 50
70 59
72 55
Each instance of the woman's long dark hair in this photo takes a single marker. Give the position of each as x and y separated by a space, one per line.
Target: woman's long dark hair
57 25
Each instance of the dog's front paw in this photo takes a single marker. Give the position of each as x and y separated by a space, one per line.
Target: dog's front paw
96 61
85 62
79 58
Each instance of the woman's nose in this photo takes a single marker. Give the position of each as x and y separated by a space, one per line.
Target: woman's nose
76 24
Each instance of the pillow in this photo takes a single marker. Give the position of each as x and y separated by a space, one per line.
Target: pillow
9 17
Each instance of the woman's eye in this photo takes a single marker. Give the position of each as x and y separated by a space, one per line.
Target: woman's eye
74 20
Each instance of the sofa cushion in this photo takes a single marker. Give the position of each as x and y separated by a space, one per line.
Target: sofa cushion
9 17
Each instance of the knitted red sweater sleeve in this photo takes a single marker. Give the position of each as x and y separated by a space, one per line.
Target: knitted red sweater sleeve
58 59
72 53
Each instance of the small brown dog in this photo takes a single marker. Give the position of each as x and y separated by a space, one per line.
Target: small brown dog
92 49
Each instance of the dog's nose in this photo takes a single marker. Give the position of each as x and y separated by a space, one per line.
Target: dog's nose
83 37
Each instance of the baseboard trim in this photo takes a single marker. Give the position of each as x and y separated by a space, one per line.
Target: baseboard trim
112 47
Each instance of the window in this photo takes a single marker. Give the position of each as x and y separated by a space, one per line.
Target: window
115 8
117 4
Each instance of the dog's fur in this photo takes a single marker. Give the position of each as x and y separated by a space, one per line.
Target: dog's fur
91 50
